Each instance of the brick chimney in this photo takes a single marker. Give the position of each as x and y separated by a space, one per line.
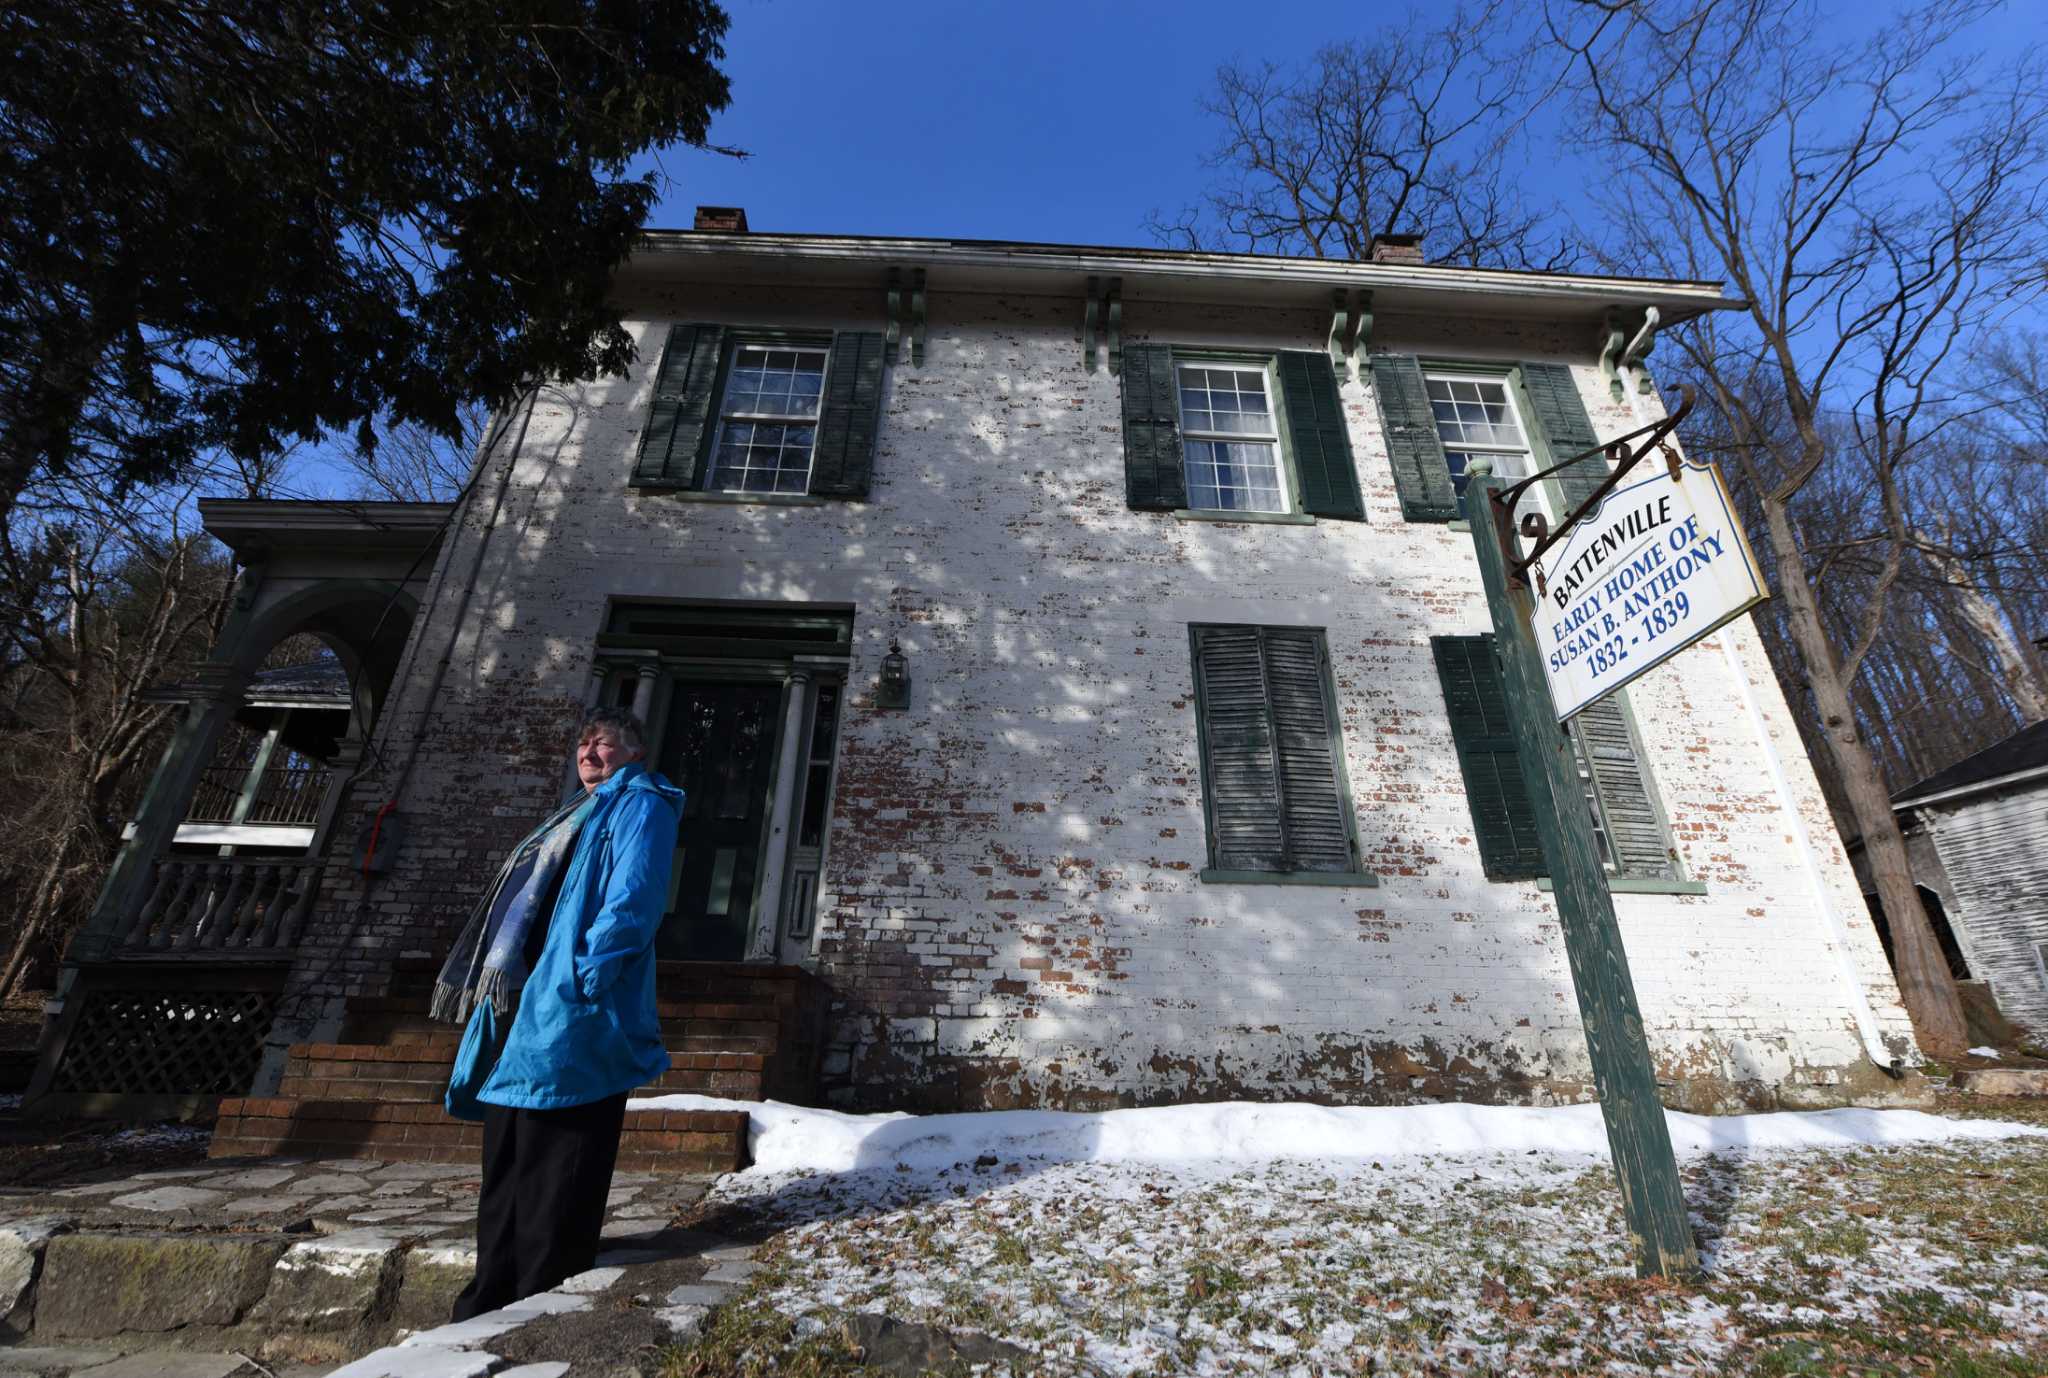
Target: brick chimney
1388 248
726 219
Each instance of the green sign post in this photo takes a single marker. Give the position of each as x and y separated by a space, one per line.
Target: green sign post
1644 1165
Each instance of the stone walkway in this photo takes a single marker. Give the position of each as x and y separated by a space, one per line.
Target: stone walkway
292 1267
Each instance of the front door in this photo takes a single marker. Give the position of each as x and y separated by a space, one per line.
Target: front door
720 748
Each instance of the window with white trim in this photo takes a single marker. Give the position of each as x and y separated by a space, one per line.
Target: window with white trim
1475 416
1230 439
768 419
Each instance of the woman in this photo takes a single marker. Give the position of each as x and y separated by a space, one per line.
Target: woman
555 975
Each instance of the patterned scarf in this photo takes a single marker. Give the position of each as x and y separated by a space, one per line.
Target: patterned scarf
488 961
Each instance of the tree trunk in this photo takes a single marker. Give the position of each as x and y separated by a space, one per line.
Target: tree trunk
35 915
2019 676
1925 983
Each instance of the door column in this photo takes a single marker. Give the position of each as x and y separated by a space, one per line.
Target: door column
789 753
643 692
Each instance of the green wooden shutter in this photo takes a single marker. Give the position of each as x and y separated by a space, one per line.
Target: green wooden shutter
1239 777
1501 813
1313 812
1153 477
680 424
1566 428
1421 474
1622 779
843 464
1320 439
1270 748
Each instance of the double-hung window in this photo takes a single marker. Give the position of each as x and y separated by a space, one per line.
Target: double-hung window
1230 440
1438 417
764 415
1265 436
1475 418
768 419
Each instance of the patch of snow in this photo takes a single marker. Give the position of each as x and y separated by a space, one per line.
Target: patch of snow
788 1138
1984 1052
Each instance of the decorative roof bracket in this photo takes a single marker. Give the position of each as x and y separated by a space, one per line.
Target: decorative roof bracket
1115 298
891 349
1612 338
1639 350
1104 309
1350 331
917 318
1088 310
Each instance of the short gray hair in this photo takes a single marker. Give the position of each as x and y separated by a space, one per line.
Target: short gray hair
616 723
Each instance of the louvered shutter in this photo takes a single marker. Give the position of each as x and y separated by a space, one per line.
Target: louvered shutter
1567 430
1501 812
1319 437
1238 770
1312 811
1153 478
1622 779
678 426
1421 474
843 464
1269 751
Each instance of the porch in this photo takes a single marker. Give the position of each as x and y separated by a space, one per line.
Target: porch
166 995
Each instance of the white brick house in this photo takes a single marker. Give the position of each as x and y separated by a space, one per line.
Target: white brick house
1058 876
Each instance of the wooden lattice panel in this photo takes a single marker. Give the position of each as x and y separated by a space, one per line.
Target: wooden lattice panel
165 1042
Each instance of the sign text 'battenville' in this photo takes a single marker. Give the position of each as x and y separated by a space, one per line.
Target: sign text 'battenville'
1662 563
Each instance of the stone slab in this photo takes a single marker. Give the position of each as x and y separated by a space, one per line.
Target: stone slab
54 1360
161 1363
425 1172
2004 1081
330 1284
21 1254
699 1294
683 1322
169 1199
98 1285
549 1370
264 1205
596 1280
252 1179
731 1270
420 1362
434 1276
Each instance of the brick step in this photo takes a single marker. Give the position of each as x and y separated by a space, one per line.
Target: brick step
733 1076
653 1140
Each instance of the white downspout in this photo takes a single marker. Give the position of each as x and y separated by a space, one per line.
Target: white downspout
1838 931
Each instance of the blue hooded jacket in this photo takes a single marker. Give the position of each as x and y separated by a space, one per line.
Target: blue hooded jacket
586 1027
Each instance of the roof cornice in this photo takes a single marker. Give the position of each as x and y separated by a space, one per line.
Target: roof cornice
667 250
246 525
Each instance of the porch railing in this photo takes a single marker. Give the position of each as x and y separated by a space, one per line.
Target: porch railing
225 904
284 794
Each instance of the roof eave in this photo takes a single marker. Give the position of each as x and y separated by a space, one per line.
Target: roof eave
1574 292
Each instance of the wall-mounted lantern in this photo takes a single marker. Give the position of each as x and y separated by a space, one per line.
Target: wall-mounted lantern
893 690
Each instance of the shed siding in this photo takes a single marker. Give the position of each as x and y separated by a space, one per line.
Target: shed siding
1992 849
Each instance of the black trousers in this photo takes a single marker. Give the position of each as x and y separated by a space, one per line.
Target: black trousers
541 1210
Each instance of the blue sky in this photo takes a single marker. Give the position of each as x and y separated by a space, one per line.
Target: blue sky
1049 121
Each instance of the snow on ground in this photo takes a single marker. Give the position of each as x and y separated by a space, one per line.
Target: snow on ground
789 1138
1298 1240
1984 1052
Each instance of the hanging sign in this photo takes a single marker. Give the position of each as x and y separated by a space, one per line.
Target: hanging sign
1661 563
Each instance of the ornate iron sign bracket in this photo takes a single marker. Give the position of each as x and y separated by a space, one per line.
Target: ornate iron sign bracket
1534 526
